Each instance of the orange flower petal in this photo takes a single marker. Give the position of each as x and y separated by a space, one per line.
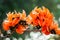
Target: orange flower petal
15 21
58 31
20 29
6 26
45 30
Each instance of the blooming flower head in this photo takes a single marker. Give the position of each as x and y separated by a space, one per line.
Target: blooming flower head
20 29
15 20
44 18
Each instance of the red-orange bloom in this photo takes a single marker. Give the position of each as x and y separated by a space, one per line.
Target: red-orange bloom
58 31
45 30
14 20
42 17
20 29
6 26
32 17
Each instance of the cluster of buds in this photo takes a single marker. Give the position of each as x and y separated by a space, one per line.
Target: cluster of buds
40 18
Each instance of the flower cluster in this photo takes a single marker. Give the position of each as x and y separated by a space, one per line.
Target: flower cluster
15 21
40 18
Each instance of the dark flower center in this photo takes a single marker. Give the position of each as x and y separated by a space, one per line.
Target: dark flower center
22 22
53 32
38 27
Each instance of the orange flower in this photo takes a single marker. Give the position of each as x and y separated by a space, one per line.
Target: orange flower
45 30
32 17
40 17
6 25
14 18
54 28
20 29
11 21
43 18
16 21
57 31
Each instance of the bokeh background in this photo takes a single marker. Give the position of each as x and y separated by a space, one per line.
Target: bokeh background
27 5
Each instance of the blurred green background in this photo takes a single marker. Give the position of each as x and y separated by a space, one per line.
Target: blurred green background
27 5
